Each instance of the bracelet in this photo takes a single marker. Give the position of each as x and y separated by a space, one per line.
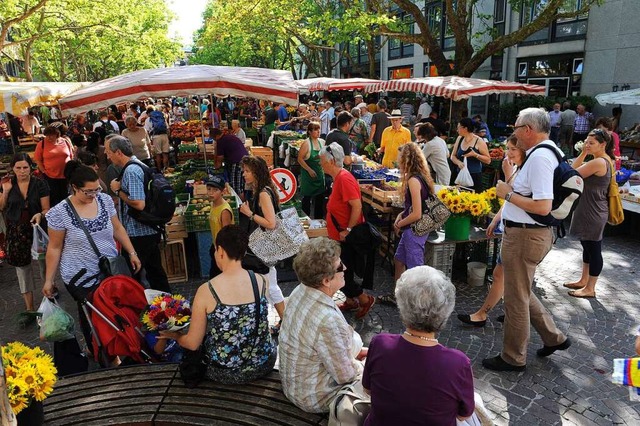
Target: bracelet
133 253
252 217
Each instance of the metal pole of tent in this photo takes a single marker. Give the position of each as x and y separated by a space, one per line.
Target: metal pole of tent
202 131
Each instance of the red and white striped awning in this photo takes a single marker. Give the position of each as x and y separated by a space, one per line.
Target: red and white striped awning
455 88
330 84
259 83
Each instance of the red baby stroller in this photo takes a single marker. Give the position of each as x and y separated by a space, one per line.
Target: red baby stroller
114 320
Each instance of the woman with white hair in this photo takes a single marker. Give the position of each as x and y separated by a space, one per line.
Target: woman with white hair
411 377
344 212
237 130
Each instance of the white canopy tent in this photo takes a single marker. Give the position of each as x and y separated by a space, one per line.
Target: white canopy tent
624 97
332 84
259 83
17 97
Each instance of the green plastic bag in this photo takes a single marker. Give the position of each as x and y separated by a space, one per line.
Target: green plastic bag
55 323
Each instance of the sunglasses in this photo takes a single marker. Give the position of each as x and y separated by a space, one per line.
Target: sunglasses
341 268
597 132
328 148
90 192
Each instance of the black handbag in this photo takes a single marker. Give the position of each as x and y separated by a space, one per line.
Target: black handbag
251 262
109 266
193 367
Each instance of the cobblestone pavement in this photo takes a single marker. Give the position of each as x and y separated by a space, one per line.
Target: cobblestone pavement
571 387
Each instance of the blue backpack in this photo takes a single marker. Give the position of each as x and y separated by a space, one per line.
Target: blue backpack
158 123
567 189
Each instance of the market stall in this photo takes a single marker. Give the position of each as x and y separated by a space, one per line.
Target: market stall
17 97
327 84
192 80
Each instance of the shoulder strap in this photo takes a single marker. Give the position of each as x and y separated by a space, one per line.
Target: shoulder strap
84 228
256 295
560 158
213 293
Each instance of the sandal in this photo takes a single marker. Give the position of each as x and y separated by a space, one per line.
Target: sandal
582 296
388 299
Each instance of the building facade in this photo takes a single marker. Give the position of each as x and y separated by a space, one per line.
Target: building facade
586 55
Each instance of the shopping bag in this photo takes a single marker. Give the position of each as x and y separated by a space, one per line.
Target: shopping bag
40 243
464 177
55 323
283 242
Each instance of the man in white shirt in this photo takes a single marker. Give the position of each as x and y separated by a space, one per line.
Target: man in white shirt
324 119
424 110
554 119
30 123
525 243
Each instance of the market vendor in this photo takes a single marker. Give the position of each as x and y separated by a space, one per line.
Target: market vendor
230 150
341 135
270 116
393 137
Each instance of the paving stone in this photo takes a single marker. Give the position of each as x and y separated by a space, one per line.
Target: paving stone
570 387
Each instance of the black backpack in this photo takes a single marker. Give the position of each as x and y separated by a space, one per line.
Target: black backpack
105 129
567 189
160 198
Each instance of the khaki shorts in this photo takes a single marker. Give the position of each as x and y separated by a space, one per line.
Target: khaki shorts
161 144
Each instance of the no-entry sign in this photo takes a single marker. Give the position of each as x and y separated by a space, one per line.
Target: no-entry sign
285 182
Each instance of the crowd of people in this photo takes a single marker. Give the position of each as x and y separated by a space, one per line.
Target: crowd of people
91 177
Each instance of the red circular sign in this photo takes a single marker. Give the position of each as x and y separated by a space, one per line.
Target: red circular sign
285 182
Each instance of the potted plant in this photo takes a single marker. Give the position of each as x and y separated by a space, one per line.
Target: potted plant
463 206
30 376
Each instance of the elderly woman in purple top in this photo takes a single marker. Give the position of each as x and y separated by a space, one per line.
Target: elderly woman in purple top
413 379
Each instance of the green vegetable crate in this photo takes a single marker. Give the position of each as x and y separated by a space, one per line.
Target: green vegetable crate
196 221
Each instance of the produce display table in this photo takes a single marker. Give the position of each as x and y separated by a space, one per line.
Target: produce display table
278 140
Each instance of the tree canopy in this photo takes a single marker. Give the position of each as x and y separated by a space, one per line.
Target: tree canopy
84 40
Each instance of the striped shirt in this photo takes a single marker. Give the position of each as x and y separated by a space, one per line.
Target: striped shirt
582 123
316 348
77 252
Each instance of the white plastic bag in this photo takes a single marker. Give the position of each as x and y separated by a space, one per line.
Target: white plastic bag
40 243
464 177
55 323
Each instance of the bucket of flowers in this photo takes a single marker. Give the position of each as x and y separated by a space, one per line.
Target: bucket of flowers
463 206
30 376
166 312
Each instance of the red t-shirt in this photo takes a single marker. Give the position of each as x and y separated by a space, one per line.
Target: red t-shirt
54 157
345 188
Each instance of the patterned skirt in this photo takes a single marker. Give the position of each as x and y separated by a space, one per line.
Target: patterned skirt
18 240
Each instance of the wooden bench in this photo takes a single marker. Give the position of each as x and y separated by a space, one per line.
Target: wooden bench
154 395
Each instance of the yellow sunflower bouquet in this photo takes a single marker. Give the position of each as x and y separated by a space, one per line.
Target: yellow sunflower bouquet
494 201
465 203
30 374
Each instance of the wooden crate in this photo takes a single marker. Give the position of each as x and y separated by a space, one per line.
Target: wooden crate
174 261
176 229
263 152
314 233
379 199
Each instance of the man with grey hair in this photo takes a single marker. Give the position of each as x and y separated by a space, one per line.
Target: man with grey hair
525 243
129 188
344 212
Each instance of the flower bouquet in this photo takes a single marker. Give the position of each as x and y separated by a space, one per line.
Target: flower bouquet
466 203
463 206
166 312
494 202
579 146
30 374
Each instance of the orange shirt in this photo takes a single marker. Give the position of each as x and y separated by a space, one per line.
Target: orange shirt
54 157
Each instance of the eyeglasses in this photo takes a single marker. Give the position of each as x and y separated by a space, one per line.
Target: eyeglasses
341 268
597 132
517 127
90 192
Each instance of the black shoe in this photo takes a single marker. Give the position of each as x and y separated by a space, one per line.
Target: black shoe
498 364
500 318
465 318
548 350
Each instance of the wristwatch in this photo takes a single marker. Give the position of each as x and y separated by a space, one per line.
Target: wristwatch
348 230
508 196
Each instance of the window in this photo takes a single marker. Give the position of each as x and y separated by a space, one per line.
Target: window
563 29
499 11
397 48
436 18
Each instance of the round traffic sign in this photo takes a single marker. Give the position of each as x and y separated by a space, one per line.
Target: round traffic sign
285 182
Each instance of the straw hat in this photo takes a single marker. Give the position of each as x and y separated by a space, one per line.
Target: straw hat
396 113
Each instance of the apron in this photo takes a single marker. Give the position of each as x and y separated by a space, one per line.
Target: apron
309 186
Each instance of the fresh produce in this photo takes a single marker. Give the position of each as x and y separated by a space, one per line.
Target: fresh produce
496 154
186 130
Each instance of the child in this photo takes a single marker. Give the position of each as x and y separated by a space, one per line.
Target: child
167 350
220 216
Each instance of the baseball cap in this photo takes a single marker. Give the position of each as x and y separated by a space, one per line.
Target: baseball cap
216 182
